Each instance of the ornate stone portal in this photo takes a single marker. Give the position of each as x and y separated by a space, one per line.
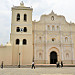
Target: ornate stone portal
53 49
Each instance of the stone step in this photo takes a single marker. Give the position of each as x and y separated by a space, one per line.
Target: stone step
37 65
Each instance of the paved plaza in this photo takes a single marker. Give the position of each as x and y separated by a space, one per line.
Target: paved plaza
38 71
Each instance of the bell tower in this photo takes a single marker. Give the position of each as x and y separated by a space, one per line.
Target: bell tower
21 35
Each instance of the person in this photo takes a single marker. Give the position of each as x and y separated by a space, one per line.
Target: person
2 65
33 66
57 64
61 64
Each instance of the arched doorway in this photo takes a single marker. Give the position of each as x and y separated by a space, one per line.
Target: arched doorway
53 57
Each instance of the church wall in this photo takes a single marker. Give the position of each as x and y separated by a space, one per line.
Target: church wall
25 50
39 26
62 37
67 54
14 27
28 37
6 55
72 25
15 55
16 11
26 54
65 27
73 46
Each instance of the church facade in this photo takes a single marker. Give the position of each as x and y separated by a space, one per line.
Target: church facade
46 41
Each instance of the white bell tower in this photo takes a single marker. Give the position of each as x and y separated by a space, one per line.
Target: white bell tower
21 34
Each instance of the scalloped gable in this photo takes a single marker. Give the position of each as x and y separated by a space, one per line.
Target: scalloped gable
48 18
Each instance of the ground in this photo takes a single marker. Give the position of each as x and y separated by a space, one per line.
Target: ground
38 71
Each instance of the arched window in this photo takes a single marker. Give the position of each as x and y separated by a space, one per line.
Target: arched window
57 27
17 41
53 28
25 29
25 17
53 39
52 18
18 17
66 39
18 29
24 41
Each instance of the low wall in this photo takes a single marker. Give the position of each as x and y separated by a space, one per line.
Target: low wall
6 55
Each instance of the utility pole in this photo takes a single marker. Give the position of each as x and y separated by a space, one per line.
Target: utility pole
19 61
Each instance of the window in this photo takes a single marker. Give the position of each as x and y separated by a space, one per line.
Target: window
52 18
66 39
53 28
18 17
25 17
24 41
53 39
18 29
17 41
57 27
25 29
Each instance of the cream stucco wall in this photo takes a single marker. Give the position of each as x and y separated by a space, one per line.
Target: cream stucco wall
44 29
6 55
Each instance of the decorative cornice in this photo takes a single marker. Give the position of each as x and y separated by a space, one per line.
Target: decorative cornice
22 24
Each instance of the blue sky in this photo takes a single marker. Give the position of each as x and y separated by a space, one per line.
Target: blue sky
40 7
